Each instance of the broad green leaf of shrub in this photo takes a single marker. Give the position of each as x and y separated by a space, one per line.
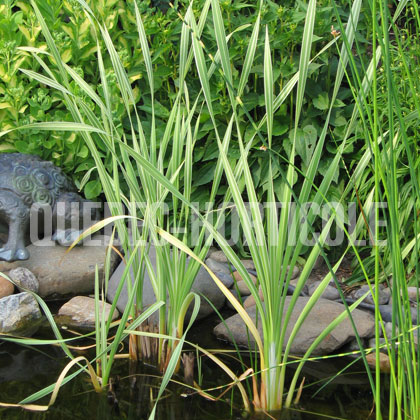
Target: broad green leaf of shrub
22 146
305 141
92 189
279 128
324 165
205 174
322 101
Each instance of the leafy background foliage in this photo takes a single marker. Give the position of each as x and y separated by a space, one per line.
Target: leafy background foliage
23 101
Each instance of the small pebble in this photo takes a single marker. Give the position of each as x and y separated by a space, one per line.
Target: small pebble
6 287
353 345
388 330
330 292
248 264
384 295
295 272
218 256
217 267
237 277
412 293
24 279
241 285
372 344
384 364
242 288
250 301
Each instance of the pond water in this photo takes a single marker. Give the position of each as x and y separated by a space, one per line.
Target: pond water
25 370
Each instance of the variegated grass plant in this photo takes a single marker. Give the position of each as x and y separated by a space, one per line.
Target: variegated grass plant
272 252
170 158
386 139
390 125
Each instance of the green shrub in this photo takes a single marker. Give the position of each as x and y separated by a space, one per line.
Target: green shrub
24 101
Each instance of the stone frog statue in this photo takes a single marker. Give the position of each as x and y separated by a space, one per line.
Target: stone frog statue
29 184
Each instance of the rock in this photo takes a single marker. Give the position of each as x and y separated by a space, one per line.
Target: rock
312 278
330 292
384 295
79 313
321 315
243 288
385 310
319 263
234 293
352 345
388 330
382 344
60 273
6 287
226 279
248 264
218 267
222 272
250 301
413 292
218 256
384 363
241 285
203 285
19 314
24 279
295 272
293 283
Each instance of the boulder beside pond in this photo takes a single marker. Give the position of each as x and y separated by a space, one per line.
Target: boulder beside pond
79 313
60 273
203 285
319 318
19 314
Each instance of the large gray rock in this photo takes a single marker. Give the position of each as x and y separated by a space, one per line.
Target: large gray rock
60 273
320 317
203 285
79 313
19 314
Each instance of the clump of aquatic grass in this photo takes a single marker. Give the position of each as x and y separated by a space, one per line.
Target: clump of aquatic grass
169 156
270 249
390 137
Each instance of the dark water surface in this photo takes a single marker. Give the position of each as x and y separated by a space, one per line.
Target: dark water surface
25 370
